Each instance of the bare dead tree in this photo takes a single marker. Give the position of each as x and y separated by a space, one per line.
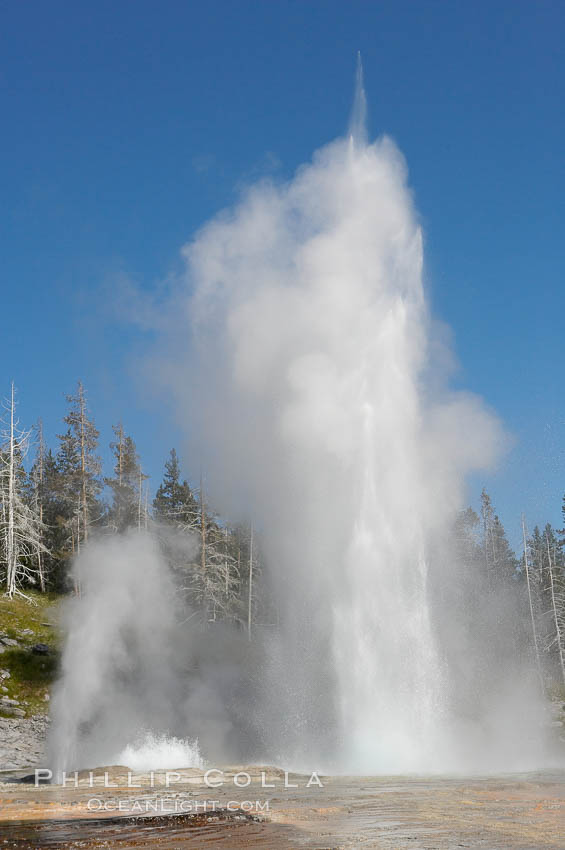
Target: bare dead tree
203 540
142 500
216 581
118 446
38 475
558 609
250 586
22 532
529 584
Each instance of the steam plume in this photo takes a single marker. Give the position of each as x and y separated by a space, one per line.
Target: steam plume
312 384
318 402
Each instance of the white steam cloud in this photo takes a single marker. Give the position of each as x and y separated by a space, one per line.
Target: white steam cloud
131 689
315 392
312 385
311 337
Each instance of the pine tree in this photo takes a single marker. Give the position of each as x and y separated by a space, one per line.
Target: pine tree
562 531
174 501
127 484
68 486
58 518
81 466
506 563
175 507
467 540
500 562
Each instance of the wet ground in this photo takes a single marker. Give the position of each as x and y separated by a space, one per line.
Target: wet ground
521 812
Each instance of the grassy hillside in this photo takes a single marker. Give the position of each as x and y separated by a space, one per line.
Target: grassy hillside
30 674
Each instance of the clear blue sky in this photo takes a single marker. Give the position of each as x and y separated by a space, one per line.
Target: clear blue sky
126 124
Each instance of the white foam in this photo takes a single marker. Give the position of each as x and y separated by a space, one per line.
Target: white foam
160 752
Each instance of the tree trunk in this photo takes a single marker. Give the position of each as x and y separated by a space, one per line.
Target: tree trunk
11 554
139 502
82 434
226 567
250 590
203 548
532 616
39 503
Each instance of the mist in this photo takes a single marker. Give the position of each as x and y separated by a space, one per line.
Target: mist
313 385
139 684
318 401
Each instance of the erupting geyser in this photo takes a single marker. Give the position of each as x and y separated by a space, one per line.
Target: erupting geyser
321 402
313 382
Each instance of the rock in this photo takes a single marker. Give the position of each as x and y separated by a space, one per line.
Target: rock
27 632
46 697
7 641
12 710
4 674
9 701
4 689
22 739
40 649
